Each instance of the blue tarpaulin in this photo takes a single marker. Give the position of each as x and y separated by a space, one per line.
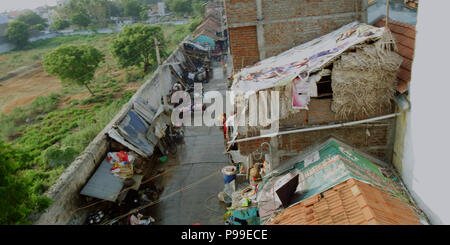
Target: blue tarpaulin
205 39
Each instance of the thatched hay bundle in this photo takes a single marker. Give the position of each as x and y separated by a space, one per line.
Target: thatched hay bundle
364 81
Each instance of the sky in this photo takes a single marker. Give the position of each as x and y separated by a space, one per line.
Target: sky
6 5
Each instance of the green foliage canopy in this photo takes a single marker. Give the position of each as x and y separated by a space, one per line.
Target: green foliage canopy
76 64
180 7
98 11
132 8
135 45
194 23
16 200
80 19
33 20
18 33
60 24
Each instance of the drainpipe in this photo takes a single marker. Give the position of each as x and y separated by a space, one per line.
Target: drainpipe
401 100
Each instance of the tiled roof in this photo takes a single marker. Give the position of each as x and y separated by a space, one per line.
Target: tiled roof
214 15
208 24
206 33
349 203
405 35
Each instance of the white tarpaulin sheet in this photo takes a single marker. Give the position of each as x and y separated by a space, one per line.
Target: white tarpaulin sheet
303 60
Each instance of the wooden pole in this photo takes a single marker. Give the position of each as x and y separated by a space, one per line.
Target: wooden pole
161 81
387 13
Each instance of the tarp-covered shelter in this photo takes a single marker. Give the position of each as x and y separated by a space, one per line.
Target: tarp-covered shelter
134 130
359 59
206 37
198 54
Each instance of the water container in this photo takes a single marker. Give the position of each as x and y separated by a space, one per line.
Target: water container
229 174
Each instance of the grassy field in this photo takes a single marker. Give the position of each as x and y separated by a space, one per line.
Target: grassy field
55 128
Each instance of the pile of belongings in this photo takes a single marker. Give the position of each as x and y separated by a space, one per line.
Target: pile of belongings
96 217
138 219
243 216
122 164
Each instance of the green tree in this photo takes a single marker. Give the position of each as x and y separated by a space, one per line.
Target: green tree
114 9
32 19
194 23
60 24
39 27
18 33
197 7
180 7
132 8
74 64
80 19
16 198
143 15
149 1
135 45
98 11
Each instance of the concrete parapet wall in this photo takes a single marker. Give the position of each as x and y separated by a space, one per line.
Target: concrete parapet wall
65 192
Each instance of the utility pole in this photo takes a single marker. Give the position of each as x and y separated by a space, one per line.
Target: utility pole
161 81
387 13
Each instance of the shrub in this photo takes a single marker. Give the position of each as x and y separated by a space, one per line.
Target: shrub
93 99
7 129
44 104
18 33
54 156
194 23
60 24
17 200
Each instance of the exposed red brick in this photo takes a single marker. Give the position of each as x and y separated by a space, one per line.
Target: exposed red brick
281 35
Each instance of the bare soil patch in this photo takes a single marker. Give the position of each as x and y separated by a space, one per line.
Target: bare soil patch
23 89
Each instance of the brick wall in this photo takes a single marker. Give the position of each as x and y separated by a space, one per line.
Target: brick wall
286 23
319 113
244 46
240 11
374 139
247 147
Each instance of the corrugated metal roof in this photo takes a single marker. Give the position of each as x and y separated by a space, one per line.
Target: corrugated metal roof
146 112
134 130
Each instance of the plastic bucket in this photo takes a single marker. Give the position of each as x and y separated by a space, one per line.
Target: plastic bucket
229 174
